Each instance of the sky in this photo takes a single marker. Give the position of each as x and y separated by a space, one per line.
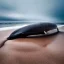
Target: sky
49 8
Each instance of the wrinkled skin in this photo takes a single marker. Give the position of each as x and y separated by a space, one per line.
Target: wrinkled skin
44 50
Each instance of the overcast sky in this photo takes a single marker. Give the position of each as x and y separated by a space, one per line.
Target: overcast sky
53 8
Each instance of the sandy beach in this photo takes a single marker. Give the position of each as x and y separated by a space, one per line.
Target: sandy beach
42 50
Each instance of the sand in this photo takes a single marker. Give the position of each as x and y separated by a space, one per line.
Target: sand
42 50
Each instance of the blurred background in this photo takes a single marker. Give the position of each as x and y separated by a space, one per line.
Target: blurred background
15 12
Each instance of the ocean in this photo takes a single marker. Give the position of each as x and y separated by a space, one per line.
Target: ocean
12 23
19 23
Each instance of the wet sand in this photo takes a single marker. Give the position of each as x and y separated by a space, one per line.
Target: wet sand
42 50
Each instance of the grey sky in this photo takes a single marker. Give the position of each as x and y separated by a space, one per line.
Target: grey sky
54 8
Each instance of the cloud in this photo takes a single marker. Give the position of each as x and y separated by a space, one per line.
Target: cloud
6 6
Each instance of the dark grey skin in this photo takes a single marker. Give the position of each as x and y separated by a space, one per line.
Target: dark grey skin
33 29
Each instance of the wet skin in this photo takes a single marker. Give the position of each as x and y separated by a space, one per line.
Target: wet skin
42 50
